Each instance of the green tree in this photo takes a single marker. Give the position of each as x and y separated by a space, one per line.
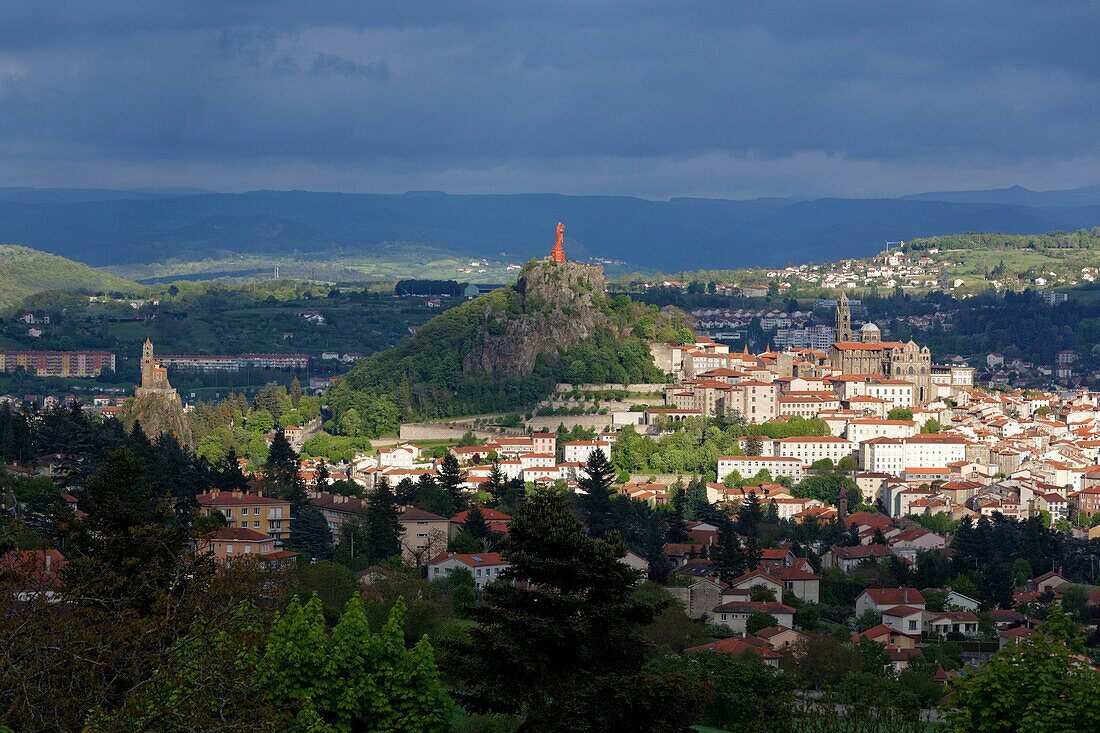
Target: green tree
129 543
383 529
1075 602
749 516
596 485
450 480
761 593
900 413
759 620
518 661
931 425
351 424
310 533
281 469
1038 685
228 475
729 559
352 680
333 584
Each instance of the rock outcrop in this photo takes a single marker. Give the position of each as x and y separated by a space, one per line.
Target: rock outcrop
559 304
157 414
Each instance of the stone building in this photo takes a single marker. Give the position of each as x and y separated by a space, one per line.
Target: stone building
154 377
871 355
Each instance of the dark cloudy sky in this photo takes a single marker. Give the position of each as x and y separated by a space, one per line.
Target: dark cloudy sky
656 99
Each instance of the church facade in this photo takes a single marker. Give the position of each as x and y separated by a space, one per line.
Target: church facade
871 356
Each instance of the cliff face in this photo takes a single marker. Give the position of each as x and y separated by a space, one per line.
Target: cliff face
559 304
158 414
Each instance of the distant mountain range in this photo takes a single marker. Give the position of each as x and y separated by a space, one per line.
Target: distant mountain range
107 227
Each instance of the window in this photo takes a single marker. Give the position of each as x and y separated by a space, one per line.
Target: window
248 549
256 523
912 625
229 548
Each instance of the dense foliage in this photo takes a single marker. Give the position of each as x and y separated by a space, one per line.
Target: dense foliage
25 271
425 375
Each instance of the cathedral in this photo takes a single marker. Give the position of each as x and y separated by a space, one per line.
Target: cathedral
154 377
872 356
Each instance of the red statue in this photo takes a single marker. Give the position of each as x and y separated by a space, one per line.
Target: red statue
558 254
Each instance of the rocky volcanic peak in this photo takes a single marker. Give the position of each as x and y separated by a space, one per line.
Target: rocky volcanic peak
560 304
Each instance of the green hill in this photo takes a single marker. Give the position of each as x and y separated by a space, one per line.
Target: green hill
25 271
507 349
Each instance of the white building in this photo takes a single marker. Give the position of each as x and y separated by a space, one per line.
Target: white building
578 451
749 466
814 448
894 455
484 566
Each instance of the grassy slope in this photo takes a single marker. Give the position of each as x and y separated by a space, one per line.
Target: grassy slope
26 271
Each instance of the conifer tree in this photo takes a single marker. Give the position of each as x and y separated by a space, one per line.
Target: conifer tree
295 392
729 561
677 532
228 475
450 480
383 529
495 484
321 476
477 529
431 498
281 468
309 532
596 485
749 516
405 491
517 660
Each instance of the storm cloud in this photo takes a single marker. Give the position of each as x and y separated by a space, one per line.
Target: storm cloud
653 99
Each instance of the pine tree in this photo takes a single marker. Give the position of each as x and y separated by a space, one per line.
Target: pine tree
729 561
518 661
596 485
295 392
321 476
677 532
450 480
515 493
659 564
749 516
383 529
228 475
309 532
281 469
129 543
431 498
405 492
477 529
495 484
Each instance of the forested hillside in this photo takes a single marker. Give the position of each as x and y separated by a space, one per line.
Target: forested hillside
25 271
508 348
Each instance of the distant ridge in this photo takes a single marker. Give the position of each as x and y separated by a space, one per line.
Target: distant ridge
1017 196
105 228
25 271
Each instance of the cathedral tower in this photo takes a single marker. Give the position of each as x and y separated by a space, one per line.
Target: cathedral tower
843 319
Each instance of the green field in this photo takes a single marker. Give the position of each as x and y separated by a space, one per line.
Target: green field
386 263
